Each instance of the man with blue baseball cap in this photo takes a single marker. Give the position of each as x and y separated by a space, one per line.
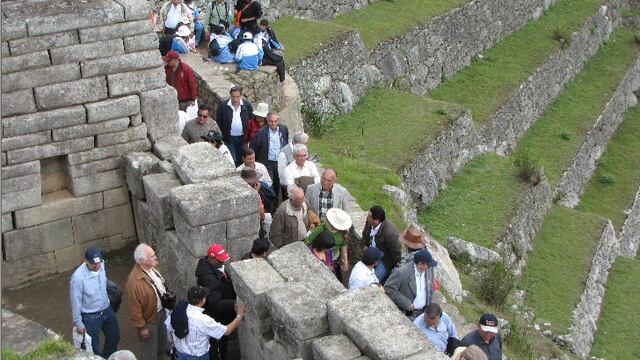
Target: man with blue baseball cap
363 273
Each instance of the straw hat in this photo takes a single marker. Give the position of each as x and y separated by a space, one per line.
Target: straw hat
412 238
339 219
261 110
183 31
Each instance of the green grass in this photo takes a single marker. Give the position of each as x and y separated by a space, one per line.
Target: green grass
304 38
618 331
46 349
477 204
559 264
389 127
622 160
489 82
558 134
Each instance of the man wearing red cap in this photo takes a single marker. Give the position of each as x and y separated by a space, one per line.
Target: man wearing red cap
221 300
180 76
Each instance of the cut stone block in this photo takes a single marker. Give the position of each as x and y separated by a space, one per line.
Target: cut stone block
214 201
44 120
239 246
5 49
157 188
428 355
199 162
115 31
112 108
166 147
104 223
27 79
122 63
251 280
55 206
20 183
273 350
115 197
38 240
137 165
49 150
128 135
146 231
136 81
68 258
22 141
141 42
21 169
72 93
135 9
12 64
85 130
108 152
81 52
197 239
13 28
136 120
120 221
178 274
21 199
44 42
159 111
19 102
7 222
80 170
93 183
243 226
19 272
334 347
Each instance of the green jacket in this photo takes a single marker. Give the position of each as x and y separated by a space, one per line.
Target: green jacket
337 236
216 12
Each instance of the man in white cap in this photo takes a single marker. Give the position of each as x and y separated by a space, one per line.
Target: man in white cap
249 55
486 337
337 224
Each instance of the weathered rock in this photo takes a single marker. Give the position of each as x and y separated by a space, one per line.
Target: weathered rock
44 42
22 141
82 52
84 185
18 102
55 206
126 136
108 152
135 82
334 347
121 63
198 238
112 108
476 253
252 279
141 42
114 31
166 147
199 162
72 93
21 334
23 62
157 188
178 274
38 239
7 222
49 150
20 169
80 131
115 197
159 111
45 120
21 199
137 165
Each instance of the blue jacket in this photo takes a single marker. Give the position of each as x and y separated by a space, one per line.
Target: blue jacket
225 55
178 45
249 56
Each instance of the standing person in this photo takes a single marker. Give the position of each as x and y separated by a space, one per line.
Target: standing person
90 306
381 233
259 250
258 121
196 128
144 288
248 12
198 26
292 220
327 194
267 144
201 327
337 224
249 162
486 337
301 171
221 300
216 12
172 14
232 117
285 157
180 76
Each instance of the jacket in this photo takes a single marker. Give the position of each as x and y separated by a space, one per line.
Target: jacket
221 300
260 143
401 286
251 130
340 197
164 10
224 116
284 226
216 12
141 298
387 242
225 56
249 56
183 81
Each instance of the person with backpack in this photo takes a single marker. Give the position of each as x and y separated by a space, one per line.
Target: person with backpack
219 46
248 12
218 11
198 26
272 48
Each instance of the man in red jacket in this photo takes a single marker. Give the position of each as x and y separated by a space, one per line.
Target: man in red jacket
180 76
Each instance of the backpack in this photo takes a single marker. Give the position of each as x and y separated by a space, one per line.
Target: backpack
115 295
214 48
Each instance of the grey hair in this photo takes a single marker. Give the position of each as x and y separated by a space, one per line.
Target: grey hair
432 311
272 113
291 189
297 148
140 253
122 355
300 138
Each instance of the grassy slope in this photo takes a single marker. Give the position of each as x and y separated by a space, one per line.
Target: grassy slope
300 44
618 332
489 82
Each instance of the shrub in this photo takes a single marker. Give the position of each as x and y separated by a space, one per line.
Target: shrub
565 134
496 284
563 36
607 179
527 167
442 112
315 124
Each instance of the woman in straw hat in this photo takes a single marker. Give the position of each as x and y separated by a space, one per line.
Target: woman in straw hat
337 224
257 122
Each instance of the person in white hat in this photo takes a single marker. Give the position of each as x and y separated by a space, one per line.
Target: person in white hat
249 55
338 223
181 40
257 122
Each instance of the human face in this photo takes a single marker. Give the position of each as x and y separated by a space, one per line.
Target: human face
300 158
422 267
261 121
235 98
176 2
327 180
173 63
263 28
371 221
93 267
151 260
486 336
249 160
203 116
432 322
273 121
215 262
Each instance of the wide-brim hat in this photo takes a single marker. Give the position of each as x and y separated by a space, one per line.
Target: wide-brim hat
183 31
413 239
339 219
261 110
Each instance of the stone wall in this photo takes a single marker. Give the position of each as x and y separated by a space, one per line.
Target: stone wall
82 85
575 179
630 235
318 9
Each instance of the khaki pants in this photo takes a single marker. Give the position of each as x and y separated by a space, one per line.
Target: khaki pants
155 347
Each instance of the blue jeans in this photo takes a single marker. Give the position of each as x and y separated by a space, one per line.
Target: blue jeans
235 144
381 272
106 321
199 30
183 356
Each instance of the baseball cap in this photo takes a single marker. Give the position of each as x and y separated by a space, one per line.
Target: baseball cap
171 55
371 255
425 257
196 293
218 252
489 323
93 255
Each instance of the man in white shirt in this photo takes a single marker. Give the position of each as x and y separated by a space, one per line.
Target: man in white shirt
363 274
301 167
249 161
195 343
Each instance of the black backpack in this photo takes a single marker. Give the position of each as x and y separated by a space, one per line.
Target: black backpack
214 48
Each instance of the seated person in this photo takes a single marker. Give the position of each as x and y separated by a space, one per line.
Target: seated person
266 39
259 250
249 161
257 122
437 326
219 46
321 248
249 55
180 41
215 138
362 274
301 169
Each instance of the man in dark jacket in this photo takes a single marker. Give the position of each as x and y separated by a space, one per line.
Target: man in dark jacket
232 117
251 11
180 76
381 233
267 145
221 300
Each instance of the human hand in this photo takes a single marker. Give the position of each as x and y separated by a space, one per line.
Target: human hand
241 309
81 330
144 333
344 266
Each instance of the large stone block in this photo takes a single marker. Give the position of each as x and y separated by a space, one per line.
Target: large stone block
136 81
5 49
103 224
334 347
72 93
93 183
22 141
197 239
7 222
44 120
146 231
38 240
166 147
134 9
178 274
115 197
115 31
39 43
372 321
476 253
39 77
246 226
21 169
80 170
12 64
112 108
49 150
214 201
13 28
79 131
82 52
20 183
240 246
274 350
19 102
137 165
120 221
141 42
159 111
21 199
108 152
125 136
157 188
121 63
199 162
251 280
19 272
55 206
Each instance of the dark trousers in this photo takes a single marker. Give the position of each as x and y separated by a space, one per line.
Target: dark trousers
106 321
218 348
235 144
278 64
272 169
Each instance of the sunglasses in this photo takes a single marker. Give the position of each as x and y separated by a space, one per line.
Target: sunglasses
202 115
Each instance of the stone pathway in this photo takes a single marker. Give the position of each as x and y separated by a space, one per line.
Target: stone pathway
21 334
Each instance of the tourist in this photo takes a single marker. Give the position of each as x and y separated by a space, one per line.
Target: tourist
215 139
249 12
326 195
198 26
249 161
220 304
285 157
362 274
256 123
180 76
248 55
267 144
267 199
411 286
337 224
122 355
292 220
232 117
191 330
195 129
468 353
172 14
90 307
301 171
217 11
145 290
259 250
437 326
381 233
273 50
413 241
219 50
180 43
486 337
322 248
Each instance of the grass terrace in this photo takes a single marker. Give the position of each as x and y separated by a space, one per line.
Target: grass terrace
46 349
303 38
617 335
489 82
